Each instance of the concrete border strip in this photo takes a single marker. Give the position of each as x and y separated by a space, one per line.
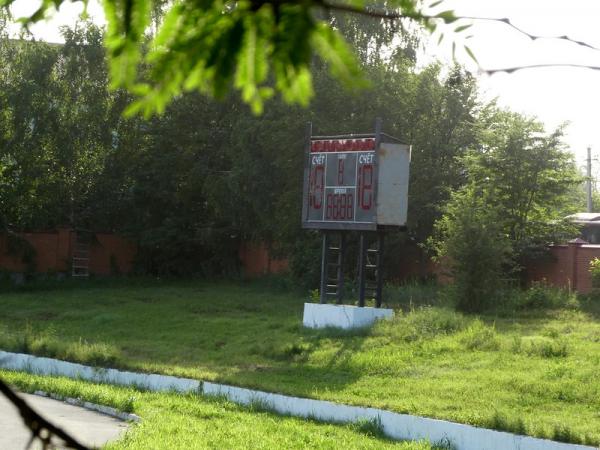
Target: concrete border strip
395 425
50 366
108 410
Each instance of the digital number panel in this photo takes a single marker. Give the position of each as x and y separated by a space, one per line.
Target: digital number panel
341 185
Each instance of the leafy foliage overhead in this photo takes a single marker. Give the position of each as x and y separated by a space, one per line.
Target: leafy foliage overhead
258 47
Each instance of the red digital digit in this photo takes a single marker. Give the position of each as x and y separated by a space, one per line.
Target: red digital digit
365 186
318 184
340 172
329 206
336 207
349 207
343 206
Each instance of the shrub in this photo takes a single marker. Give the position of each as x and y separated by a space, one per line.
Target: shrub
470 238
305 260
19 247
541 296
595 272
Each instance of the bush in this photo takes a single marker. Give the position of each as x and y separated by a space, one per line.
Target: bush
541 296
470 239
595 272
305 261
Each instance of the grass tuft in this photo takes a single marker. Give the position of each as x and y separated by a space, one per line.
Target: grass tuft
543 347
45 342
422 323
479 336
369 427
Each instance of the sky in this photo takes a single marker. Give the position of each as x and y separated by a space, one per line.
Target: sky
555 95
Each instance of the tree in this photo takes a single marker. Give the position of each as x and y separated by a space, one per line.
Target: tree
528 174
519 184
55 130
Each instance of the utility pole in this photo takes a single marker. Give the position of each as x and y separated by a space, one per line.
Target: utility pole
590 206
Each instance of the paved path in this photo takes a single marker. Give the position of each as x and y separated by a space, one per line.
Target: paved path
89 427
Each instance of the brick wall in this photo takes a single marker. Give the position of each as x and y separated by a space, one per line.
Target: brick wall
567 266
53 252
256 260
111 254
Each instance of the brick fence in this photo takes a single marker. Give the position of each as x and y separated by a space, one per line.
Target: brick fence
108 253
257 260
567 266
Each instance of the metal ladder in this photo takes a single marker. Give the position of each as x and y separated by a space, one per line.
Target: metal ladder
332 268
370 270
80 262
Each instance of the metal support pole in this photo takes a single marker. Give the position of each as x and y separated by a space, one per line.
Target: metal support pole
590 205
340 268
362 257
324 253
380 242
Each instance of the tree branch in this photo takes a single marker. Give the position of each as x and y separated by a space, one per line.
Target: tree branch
37 423
531 36
538 66
394 15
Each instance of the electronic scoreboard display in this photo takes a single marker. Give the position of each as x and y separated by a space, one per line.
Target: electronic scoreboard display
355 182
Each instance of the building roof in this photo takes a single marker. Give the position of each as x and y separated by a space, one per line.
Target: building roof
585 218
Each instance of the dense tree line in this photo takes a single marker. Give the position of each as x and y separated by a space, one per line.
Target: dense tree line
192 183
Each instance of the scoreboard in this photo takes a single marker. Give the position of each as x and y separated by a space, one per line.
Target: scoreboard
355 182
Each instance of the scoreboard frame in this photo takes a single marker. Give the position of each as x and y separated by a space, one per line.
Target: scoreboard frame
365 146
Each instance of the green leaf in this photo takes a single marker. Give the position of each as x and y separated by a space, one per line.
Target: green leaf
471 54
447 16
463 28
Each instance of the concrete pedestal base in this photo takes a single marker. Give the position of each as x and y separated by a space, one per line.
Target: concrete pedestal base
347 317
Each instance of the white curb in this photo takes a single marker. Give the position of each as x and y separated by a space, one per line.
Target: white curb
109 411
49 366
395 425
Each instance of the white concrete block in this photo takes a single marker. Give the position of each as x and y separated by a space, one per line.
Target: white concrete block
318 315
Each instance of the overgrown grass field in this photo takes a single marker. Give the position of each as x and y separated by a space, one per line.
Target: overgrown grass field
191 421
529 372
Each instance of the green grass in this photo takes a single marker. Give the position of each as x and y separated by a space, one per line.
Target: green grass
177 421
528 372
